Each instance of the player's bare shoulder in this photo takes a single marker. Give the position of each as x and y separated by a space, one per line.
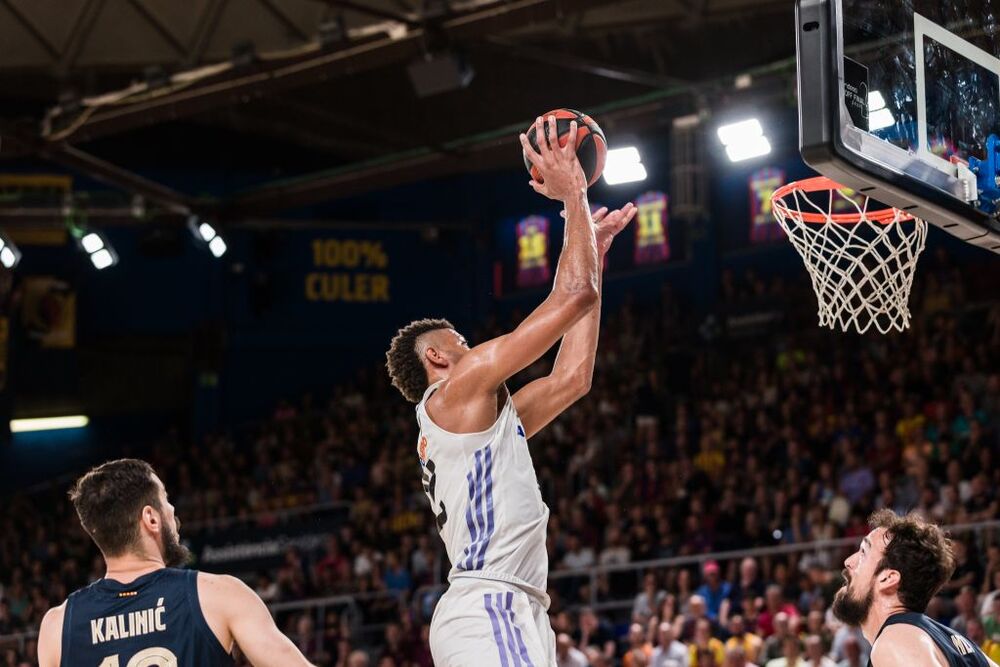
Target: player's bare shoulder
50 637
904 645
220 596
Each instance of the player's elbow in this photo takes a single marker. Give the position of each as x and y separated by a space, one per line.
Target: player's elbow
579 299
579 384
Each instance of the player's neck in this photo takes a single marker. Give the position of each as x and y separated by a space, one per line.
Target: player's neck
126 569
880 613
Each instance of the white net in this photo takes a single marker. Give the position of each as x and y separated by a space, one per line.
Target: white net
861 262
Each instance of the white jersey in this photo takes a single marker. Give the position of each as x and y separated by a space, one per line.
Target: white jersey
484 493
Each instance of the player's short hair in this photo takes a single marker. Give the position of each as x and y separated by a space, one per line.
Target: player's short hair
919 551
406 368
109 501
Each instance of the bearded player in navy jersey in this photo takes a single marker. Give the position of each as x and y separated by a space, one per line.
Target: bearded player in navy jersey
145 612
901 564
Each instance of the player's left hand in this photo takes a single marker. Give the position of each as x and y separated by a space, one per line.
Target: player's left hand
609 223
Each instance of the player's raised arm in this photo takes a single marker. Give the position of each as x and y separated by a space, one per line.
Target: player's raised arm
575 291
238 614
541 401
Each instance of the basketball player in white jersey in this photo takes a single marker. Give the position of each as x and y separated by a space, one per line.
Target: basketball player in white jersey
477 469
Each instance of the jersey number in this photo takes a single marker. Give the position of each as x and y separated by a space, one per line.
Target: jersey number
150 657
430 484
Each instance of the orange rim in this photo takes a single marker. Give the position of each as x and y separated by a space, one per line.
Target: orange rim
820 184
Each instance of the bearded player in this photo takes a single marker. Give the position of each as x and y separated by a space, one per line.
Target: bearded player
473 448
902 563
144 612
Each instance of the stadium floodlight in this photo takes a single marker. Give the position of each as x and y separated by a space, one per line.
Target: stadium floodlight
10 256
744 140
217 246
205 233
98 249
624 165
48 423
92 242
879 116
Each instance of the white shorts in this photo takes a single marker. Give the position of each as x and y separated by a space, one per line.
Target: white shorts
484 623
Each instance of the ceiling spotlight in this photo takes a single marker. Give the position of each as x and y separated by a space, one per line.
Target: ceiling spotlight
744 140
624 165
207 234
217 246
101 254
10 256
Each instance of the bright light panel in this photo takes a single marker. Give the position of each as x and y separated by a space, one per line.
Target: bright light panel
92 243
740 132
217 246
207 231
7 257
624 165
48 423
102 259
748 148
875 101
881 119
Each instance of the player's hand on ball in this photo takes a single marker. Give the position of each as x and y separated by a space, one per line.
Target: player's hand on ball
561 172
609 223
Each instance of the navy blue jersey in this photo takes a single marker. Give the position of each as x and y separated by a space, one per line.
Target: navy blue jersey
958 650
154 621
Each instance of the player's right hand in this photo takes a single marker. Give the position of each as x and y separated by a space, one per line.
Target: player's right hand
562 175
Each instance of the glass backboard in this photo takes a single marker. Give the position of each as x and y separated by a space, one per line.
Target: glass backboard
900 100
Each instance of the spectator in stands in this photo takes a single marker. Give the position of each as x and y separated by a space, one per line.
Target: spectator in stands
595 632
714 591
852 653
774 604
774 644
637 644
749 585
965 603
976 633
669 652
697 611
568 655
703 643
815 654
991 620
648 600
739 636
791 654
735 657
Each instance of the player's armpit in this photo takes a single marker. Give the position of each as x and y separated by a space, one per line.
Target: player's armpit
487 366
50 637
544 399
251 625
905 646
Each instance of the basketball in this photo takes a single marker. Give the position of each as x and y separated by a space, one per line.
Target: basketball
591 146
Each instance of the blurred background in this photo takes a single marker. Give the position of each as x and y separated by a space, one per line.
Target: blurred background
218 212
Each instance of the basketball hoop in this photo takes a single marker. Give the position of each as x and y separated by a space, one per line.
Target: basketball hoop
861 262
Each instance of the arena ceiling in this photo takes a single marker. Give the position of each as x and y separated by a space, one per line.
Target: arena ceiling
103 85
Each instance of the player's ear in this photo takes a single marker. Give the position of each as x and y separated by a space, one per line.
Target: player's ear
434 357
151 519
887 581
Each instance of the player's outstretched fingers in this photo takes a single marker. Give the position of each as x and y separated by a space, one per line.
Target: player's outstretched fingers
553 136
543 147
597 215
533 155
570 146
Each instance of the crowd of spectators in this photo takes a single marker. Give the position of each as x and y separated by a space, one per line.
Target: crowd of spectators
692 441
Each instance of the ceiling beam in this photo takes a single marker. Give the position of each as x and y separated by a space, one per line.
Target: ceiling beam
80 33
576 63
32 29
98 169
204 30
158 26
376 12
284 20
272 78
